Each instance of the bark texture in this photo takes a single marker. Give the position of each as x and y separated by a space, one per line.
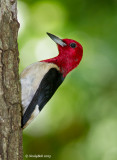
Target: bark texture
10 103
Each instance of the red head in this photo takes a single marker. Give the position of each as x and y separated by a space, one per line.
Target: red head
70 54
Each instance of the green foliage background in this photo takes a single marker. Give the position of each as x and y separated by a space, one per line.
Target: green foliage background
80 121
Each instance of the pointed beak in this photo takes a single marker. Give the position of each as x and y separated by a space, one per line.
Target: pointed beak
57 40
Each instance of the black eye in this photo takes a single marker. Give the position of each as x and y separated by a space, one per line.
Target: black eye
73 45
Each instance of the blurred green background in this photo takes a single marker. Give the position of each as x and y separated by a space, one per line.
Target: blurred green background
80 121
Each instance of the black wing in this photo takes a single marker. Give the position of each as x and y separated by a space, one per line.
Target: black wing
49 84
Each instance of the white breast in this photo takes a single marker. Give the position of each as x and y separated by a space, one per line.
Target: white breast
30 80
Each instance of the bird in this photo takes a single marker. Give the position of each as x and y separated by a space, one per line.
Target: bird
40 80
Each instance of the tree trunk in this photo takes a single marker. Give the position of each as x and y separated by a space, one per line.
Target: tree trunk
10 101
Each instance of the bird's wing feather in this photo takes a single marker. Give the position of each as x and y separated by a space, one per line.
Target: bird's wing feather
44 91
30 79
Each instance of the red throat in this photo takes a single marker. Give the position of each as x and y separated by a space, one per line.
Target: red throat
65 64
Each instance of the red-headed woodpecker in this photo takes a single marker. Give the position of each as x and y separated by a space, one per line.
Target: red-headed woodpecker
40 80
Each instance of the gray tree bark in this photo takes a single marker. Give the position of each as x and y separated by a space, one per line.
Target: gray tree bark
10 101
